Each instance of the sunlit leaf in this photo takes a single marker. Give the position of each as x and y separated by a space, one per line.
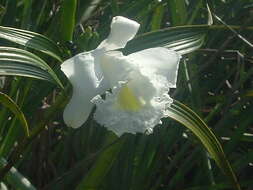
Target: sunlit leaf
68 19
9 103
18 62
32 40
16 179
183 39
192 121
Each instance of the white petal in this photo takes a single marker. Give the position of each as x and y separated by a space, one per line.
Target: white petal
122 30
141 106
163 61
115 67
80 71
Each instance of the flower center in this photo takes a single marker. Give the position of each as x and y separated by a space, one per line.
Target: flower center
128 101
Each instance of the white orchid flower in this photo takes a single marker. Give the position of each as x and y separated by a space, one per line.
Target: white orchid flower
139 83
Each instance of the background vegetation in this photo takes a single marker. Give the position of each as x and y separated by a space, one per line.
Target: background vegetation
215 81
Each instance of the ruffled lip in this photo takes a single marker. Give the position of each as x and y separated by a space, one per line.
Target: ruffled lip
121 121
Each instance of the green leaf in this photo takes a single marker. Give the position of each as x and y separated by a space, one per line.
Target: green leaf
192 121
3 186
68 19
157 17
16 179
20 62
93 180
178 11
9 103
32 40
183 39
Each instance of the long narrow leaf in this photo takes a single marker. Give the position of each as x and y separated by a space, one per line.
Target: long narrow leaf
32 40
94 178
20 62
183 39
16 179
189 119
68 19
9 103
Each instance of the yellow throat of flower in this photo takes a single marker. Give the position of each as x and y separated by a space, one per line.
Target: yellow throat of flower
128 101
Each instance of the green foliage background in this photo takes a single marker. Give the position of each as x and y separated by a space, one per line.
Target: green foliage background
215 80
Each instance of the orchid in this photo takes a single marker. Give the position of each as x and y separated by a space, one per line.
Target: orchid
136 86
